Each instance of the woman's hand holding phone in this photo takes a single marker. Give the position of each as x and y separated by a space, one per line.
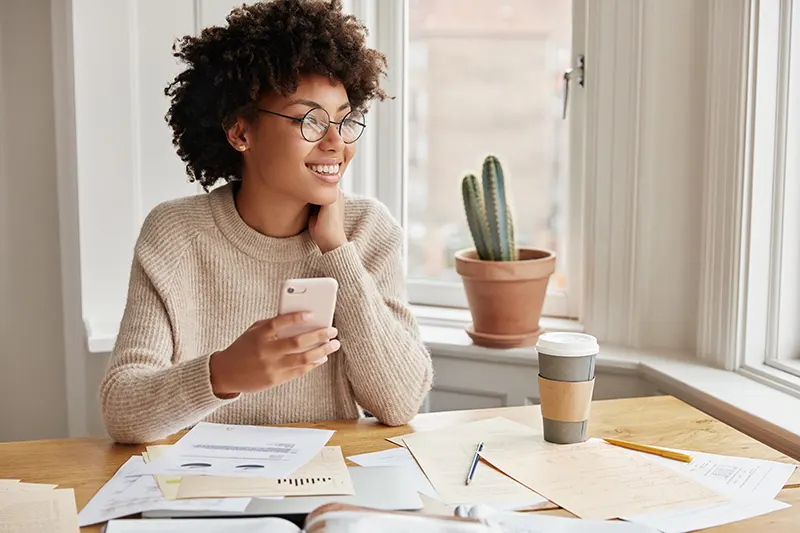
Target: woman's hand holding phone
260 358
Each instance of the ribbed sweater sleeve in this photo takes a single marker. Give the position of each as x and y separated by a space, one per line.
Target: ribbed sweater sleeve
387 363
144 396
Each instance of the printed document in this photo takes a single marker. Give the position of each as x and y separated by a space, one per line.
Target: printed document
167 483
751 483
233 450
735 476
596 480
170 485
325 475
127 494
686 520
38 511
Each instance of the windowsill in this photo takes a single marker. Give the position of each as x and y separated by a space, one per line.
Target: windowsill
738 399
784 366
794 364
100 337
457 318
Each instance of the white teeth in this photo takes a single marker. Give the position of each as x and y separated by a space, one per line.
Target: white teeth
325 169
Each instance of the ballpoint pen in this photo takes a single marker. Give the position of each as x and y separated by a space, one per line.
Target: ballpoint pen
475 460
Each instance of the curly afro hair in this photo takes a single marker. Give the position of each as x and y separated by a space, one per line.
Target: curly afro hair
264 49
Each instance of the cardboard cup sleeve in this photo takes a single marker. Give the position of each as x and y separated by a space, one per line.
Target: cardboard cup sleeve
565 401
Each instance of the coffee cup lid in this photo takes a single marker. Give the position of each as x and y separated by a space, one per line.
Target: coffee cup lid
567 343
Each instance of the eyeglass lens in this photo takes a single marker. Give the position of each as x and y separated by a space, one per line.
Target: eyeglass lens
316 122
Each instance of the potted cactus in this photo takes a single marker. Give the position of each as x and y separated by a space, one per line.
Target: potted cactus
505 284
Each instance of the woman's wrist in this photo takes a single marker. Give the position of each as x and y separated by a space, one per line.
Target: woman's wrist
329 246
219 380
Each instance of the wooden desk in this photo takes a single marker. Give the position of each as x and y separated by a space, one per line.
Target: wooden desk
86 464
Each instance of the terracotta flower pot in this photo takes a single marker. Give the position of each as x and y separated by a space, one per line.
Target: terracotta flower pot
506 297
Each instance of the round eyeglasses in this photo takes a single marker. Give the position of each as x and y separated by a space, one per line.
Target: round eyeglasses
315 123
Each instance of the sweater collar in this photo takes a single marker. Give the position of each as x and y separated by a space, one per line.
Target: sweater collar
249 240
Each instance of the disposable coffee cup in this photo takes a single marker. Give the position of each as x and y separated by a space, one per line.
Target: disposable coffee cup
566 384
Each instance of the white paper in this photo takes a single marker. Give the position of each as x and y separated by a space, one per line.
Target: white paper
38 511
445 455
539 523
599 481
398 457
751 483
535 503
686 520
736 477
324 475
233 450
127 494
200 525
403 458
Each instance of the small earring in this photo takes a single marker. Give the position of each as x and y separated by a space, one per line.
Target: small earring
242 148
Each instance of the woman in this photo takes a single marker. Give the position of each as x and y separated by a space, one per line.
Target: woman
271 105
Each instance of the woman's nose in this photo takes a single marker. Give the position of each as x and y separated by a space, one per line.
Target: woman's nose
332 141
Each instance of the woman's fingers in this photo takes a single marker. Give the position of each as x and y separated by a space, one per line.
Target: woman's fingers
273 326
305 341
314 357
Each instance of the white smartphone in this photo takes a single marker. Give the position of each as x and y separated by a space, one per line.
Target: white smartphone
315 295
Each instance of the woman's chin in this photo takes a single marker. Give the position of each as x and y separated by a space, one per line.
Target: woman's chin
324 195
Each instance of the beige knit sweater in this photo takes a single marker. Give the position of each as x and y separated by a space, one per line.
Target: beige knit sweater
201 276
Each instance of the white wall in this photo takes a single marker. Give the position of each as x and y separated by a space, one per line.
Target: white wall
32 385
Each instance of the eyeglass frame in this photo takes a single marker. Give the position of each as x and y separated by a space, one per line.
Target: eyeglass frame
300 121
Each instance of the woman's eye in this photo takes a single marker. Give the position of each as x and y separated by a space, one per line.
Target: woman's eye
314 124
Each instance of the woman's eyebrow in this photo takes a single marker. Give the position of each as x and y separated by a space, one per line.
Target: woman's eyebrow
312 103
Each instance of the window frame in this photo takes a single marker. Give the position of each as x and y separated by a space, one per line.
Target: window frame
387 152
769 133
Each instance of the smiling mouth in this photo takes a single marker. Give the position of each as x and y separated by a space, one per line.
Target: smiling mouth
328 173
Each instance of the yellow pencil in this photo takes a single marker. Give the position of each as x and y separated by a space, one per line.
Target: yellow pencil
651 449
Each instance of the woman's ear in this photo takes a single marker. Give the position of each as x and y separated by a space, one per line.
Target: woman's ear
237 135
